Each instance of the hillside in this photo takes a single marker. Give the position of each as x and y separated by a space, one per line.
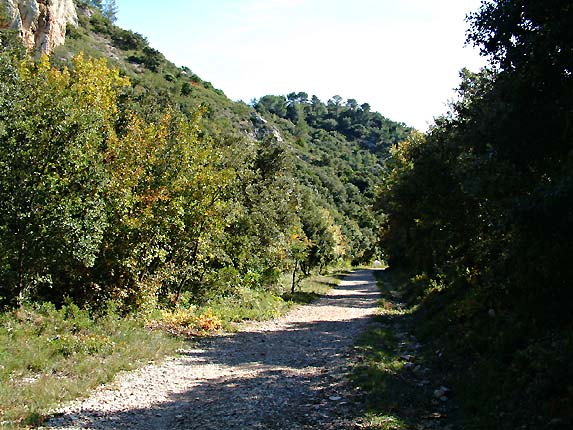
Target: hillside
337 148
287 184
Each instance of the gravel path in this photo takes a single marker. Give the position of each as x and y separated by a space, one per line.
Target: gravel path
286 373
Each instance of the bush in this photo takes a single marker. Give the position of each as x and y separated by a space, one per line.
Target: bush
101 24
128 40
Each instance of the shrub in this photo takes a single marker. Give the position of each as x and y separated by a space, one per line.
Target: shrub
128 40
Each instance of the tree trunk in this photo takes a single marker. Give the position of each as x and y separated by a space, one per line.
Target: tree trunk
293 277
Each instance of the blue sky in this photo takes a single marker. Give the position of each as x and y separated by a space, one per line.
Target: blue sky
400 56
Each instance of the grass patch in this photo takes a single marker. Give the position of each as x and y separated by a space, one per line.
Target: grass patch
244 304
391 393
247 304
383 422
311 288
50 355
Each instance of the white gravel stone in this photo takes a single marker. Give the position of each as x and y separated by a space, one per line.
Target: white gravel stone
278 374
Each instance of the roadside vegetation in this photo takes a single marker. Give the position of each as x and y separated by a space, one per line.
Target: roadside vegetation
117 184
394 395
478 222
49 356
415 371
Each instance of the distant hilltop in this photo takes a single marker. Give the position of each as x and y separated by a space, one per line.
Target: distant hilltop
41 23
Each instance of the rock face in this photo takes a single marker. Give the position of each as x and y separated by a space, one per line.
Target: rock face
41 23
263 129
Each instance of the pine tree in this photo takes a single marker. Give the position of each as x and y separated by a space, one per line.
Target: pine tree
110 10
96 3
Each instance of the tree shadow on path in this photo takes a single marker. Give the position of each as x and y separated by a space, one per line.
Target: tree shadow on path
289 374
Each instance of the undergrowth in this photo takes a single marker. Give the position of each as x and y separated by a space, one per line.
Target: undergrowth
504 371
49 356
509 370
391 399
243 304
311 288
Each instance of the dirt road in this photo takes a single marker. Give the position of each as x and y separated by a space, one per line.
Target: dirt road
286 373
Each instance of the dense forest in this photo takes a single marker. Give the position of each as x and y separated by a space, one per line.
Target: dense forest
479 213
126 178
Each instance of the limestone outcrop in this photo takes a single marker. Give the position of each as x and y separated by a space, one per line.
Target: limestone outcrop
41 23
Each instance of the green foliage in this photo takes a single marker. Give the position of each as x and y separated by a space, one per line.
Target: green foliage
128 40
11 43
110 205
370 130
150 58
482 205
341 150
326 244
53 215
96 209
100 23
49 356
167 195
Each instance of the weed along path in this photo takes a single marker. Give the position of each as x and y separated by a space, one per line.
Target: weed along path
287 373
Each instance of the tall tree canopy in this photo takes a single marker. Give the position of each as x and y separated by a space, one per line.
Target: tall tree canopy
483 204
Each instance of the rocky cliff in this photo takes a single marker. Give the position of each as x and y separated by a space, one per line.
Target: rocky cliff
41 23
